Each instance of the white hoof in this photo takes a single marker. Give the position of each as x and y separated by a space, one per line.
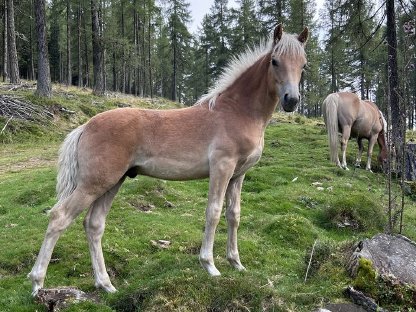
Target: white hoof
236 264
108 287
209 267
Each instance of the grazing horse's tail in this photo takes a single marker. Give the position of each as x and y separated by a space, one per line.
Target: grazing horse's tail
68 164
330 109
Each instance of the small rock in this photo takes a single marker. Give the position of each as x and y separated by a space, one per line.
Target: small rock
168 204
161 243
320 188
317 184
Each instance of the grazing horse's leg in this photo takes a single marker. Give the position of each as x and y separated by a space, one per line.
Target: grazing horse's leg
371 142
61 216
220 175
360 152
232 198
94 224
346 132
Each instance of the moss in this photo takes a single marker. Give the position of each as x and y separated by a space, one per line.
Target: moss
291 230
366 277
385 290
356 210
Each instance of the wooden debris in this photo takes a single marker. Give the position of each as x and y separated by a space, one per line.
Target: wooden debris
362 300
15 107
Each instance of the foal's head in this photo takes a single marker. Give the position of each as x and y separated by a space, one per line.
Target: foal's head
287 62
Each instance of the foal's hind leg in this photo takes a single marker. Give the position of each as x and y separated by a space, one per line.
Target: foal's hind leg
94 224
61 216
232 198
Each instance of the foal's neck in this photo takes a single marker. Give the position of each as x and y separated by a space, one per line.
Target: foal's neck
252 93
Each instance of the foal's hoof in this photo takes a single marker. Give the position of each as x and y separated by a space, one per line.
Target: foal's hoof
108 288
236 265
211 269
36 285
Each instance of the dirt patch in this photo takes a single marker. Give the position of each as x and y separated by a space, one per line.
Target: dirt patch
30 163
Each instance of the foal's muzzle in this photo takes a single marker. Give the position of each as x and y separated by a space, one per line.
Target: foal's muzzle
289 102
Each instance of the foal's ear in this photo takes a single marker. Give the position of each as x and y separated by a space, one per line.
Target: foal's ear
303 36
278 32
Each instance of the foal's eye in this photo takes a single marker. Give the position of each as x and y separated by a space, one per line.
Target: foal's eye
274 62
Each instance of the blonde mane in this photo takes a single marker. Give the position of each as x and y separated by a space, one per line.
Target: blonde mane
288 44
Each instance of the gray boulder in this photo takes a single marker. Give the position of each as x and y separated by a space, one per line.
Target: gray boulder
391 255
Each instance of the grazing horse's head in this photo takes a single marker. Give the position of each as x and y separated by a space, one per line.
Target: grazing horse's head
288 60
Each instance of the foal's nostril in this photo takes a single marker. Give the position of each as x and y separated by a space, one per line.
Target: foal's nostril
286 97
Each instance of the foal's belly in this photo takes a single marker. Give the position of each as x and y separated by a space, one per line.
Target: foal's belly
173 169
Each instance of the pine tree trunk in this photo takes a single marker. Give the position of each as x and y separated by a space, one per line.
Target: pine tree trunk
44 79
13 60
101 13
123 56
32 52
362 77
174 74
135 74
149 53
396 118
114 70
97 53
68 44
143 51
87 63
79 13
5 46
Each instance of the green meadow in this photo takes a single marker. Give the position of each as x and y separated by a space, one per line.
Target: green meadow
292 198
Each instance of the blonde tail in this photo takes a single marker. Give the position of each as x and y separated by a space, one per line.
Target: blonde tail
330 109
68 165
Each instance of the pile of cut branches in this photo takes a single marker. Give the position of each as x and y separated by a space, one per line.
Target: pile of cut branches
14 107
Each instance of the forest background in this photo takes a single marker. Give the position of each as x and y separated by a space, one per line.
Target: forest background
146 47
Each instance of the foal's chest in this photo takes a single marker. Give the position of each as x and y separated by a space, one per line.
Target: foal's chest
249 161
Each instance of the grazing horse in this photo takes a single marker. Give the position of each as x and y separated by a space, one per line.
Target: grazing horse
344 112
220 137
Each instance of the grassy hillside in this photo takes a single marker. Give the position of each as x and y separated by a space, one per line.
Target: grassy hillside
284 211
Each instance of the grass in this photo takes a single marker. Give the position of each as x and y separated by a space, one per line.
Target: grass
283 213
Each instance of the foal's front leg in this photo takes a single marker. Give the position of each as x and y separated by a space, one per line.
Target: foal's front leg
220 174
232 198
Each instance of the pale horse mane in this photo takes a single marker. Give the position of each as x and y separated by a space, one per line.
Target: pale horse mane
288 44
